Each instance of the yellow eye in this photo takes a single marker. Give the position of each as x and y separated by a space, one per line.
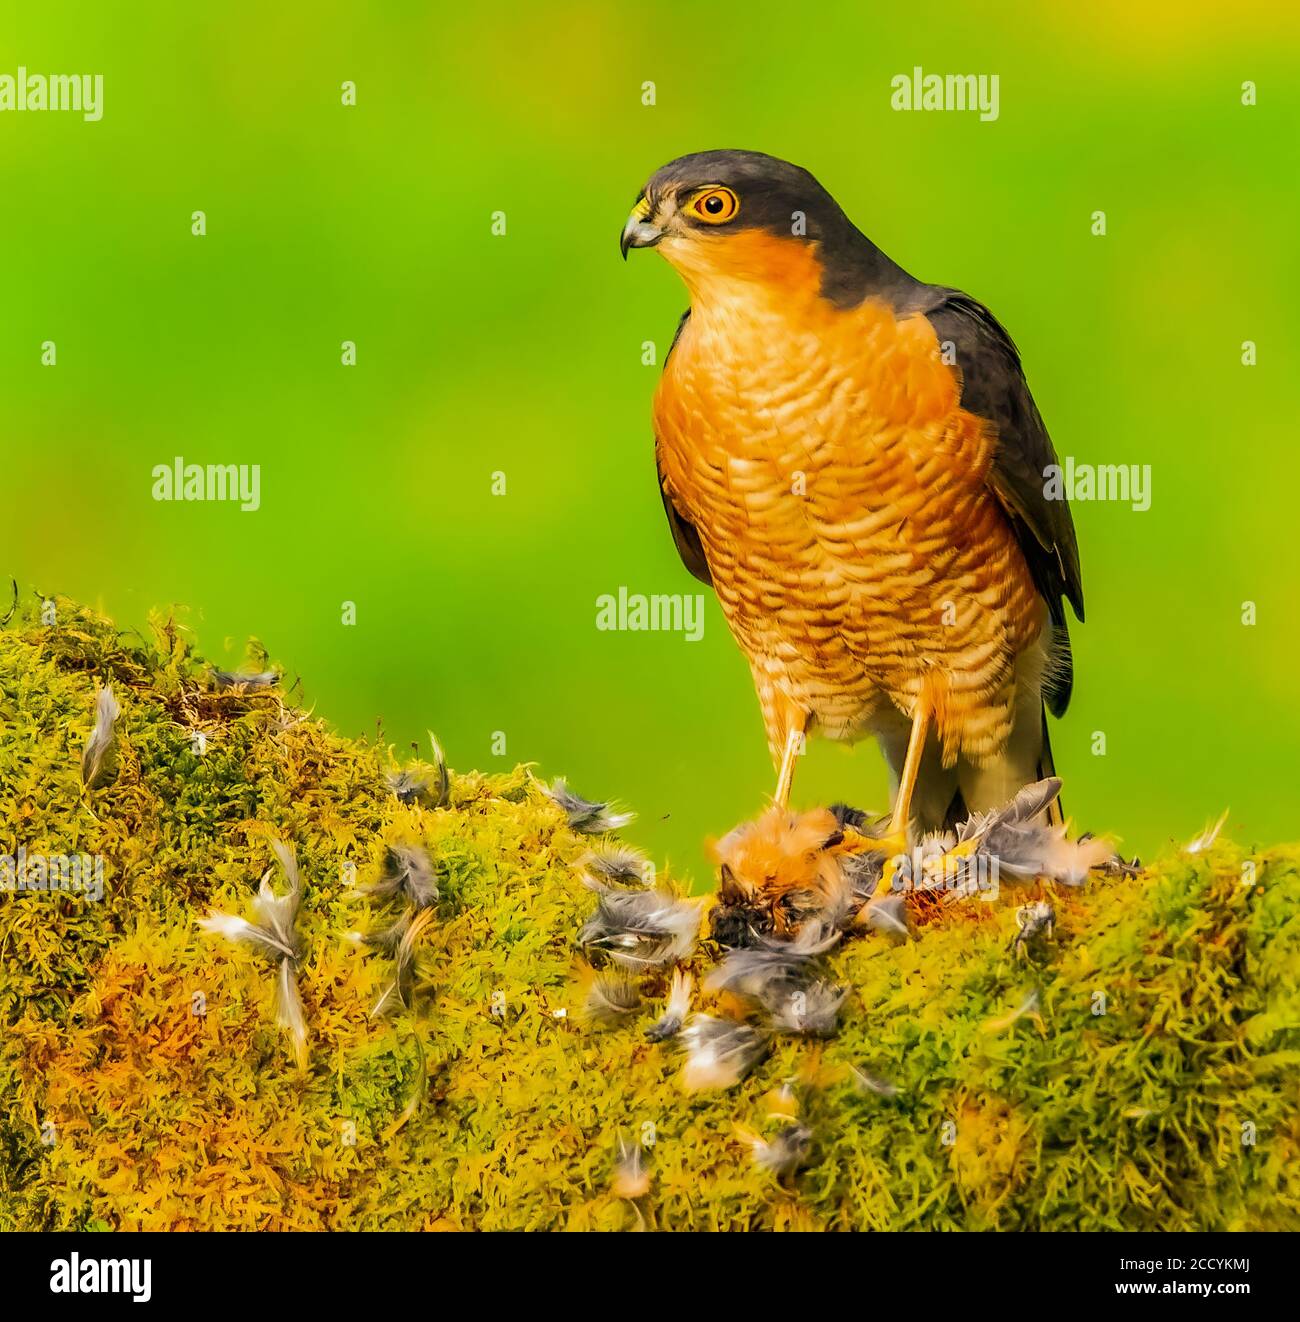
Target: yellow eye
714 206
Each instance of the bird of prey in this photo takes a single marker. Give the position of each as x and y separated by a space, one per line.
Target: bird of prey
853 460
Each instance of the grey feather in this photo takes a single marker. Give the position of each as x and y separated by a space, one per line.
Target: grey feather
670 1022
785 1153
1021 810
863 872
867 1082
408 872
1024 846
388 938
101 738
811 1009
409 788
641 929
406 932
760 971
274 936
719 1052
289 1013
583 815
610 999
443 794
231 679
888 915
615 864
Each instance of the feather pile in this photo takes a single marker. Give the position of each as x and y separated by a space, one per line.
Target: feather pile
792 886
273 934
778 976
1015 843
787 870
642 929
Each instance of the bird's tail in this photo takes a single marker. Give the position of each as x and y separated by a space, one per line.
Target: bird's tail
1046 768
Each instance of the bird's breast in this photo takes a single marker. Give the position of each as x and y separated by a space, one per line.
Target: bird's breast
830 429
841 496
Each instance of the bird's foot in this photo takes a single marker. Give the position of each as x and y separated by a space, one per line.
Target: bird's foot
858 842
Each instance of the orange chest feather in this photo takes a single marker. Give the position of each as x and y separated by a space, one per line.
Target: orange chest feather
841 496
764 416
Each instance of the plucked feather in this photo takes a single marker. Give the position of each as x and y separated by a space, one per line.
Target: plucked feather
101 738
585 816
810 1009
615 864
784 1153
400 990
1207 837
289 1012
641 929
230 679
631 1178
719 1052
867 1082
408 872
678 1007
274 936
610 999
887 915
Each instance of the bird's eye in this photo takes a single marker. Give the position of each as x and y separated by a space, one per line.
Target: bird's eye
714 206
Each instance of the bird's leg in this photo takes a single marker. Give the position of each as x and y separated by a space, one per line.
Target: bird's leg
794 742
911 767
894 843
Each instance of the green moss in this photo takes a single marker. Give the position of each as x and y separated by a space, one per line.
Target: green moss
123 1107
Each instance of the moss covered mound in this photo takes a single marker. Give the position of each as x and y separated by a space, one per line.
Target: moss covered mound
1152 1084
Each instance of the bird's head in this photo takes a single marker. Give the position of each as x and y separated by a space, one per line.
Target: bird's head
725 218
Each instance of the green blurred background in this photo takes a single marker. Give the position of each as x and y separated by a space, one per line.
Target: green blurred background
522 354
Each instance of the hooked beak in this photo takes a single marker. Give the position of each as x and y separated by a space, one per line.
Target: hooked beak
639 232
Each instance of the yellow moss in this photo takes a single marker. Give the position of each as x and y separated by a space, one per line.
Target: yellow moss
145 1083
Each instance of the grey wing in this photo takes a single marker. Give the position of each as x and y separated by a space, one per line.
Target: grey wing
685 538
994 388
